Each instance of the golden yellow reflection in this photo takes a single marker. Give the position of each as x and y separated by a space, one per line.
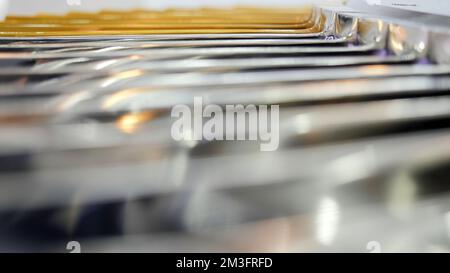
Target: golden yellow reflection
131 122
378 69
170 21
120 96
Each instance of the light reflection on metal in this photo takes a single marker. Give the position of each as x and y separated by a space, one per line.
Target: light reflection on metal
118 97
402 192
130 123
327 221
121 76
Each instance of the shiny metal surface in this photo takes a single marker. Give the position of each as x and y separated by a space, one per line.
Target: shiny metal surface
364 155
